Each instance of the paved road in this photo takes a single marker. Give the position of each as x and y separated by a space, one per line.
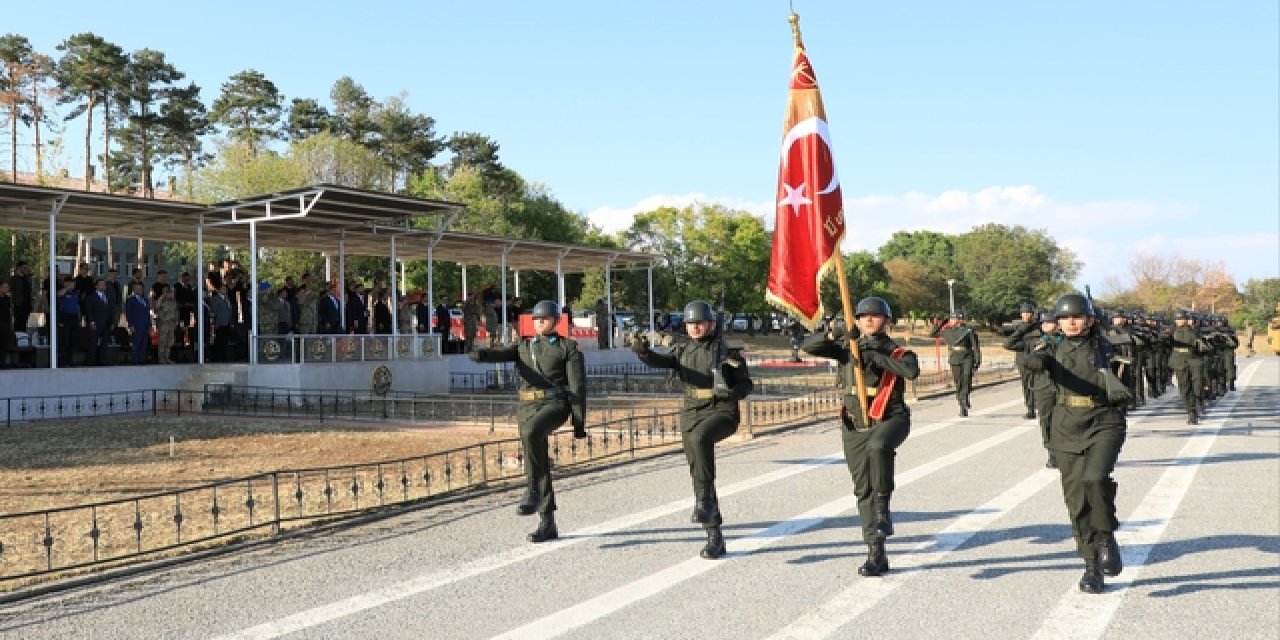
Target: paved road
982 549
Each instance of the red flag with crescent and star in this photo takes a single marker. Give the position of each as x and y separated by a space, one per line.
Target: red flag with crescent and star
810 210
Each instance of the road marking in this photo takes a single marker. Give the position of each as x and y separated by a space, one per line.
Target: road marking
1081 615
852 602
588 611
372 599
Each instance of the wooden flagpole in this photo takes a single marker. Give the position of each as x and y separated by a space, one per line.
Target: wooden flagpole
860 385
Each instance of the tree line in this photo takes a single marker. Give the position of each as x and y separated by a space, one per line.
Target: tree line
250 139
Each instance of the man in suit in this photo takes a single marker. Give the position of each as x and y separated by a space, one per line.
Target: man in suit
137 311
329 312
357 311
98 309
22 291
115 295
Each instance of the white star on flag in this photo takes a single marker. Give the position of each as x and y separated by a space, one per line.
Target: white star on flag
795 198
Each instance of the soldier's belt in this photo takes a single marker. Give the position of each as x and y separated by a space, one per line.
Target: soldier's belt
1078 401
959 348
871 391
1182 349
699 394
541 394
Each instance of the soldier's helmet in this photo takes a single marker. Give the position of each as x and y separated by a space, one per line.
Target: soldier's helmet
873 305
1027 307
1072 304
546 309
958 315
1182 314
1047 316
699 311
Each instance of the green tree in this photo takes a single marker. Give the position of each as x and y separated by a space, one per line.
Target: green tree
307 118
149 80
1002 267
927 248
921 292
184 124
1261 303
325 157
17 65
90 71
866 276
407 141
249 107
353 112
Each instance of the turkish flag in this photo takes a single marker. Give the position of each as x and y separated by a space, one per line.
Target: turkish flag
810 210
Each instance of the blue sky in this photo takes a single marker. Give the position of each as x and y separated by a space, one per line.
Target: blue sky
1116 126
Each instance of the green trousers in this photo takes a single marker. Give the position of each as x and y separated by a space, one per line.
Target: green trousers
962 374
538 419
700 451
1089 491
870 455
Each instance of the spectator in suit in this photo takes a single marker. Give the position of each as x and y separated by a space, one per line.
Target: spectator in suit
115 295
98 310
329 312
284 310
358 310
137 311
22 292
184 293
382 312
444 322
220 310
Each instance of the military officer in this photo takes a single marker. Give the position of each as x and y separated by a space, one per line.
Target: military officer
1185 362
553 388
1127 359
715 378
1086 431
965 356
870 442
1025 340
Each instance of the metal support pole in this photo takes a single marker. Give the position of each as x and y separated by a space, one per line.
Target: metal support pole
391 282
328 268
253 292
502 272
608 297
649 278
431 286
342 281
199 318
517 282
464 281
51 316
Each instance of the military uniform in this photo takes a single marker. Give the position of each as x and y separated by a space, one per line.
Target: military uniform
1026 327
965 356
307 310
553 388
1185 361
1024 340
869 451
709 414
1086 431
470 322
1126 360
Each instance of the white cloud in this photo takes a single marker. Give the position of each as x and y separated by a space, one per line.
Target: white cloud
1104 234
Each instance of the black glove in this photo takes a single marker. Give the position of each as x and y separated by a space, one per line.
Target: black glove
640 345
579 430
871 356
474 355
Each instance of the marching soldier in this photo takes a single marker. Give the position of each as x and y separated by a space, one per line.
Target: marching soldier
1126 359
870 445
1086 430
1028 326
715 379
1024 342
965 356
1185 362
553 388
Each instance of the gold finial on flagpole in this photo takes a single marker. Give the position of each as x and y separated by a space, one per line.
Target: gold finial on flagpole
794 19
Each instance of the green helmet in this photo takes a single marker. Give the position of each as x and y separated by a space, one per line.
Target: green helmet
873 305
1047 316
546 309
699 311
1072 304
1027 307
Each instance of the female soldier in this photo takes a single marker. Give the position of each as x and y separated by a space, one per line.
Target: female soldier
553 388
1025 340
166 310
1086 430
715 379
870 446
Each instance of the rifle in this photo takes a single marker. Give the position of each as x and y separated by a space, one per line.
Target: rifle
1117 393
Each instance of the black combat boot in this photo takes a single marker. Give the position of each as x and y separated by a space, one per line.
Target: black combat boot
964 411
529 503
877 562
883 524
1192 418
1231 385
704 507
1052 462
1109 559
1091 581
1030 414
715 544
546 529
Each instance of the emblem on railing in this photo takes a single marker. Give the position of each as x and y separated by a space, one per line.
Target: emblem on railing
318 349
428 346
403 347
378 348
271 349
381 381
347 348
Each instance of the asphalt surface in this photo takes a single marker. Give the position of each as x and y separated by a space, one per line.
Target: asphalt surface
983 548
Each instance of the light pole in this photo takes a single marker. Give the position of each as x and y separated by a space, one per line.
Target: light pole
951 295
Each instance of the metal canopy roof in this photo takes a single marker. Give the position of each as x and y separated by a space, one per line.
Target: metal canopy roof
314 218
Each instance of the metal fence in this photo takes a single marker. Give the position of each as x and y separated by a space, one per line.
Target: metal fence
56 540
